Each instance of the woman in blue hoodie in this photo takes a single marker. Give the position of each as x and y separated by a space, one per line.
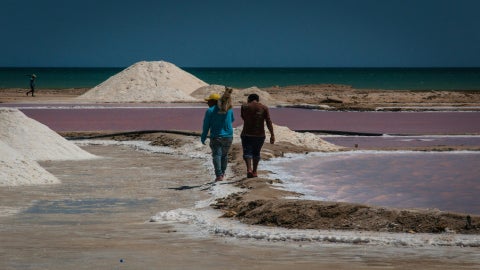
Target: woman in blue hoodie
221 134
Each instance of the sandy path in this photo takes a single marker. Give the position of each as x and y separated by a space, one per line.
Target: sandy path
97 217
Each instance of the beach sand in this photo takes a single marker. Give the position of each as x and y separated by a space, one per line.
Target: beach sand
99 217
323 96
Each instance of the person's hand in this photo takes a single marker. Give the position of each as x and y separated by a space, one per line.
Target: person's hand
272 139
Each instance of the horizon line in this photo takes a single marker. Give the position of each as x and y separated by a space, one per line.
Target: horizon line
266 67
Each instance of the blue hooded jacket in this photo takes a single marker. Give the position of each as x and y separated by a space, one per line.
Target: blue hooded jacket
219 124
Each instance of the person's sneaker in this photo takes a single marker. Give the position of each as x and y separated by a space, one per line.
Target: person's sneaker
249 174
254 174
219 178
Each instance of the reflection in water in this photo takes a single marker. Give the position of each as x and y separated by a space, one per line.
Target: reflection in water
447 181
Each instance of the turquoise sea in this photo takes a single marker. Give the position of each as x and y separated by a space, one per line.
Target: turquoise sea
362 78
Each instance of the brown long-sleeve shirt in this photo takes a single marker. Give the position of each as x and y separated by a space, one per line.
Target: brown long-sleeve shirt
255 115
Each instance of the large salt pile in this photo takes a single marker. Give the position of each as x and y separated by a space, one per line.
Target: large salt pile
35 140
303 139
144 81
18 170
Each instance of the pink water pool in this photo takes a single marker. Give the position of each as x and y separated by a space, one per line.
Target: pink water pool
184 118
446 181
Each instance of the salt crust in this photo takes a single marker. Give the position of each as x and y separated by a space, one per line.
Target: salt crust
147 81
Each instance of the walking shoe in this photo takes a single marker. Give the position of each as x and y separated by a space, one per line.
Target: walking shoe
219 178
254 174
249 174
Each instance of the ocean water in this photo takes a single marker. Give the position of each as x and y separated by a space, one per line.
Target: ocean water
448 181
362 78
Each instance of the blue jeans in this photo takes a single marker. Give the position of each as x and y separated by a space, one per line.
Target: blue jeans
220 147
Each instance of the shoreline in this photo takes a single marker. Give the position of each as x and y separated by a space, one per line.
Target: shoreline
319 96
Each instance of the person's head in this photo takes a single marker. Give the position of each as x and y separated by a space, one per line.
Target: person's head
212 99
253 97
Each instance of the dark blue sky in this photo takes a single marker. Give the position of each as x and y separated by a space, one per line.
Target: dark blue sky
242 33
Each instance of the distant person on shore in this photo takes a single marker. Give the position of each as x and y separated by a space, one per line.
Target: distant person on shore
32 84
254 115
221 134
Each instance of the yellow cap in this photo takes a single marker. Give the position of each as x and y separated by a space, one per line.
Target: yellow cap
213 96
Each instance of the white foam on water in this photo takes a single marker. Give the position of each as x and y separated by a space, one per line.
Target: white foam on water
207 220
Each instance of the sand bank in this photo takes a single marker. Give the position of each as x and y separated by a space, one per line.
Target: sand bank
324 97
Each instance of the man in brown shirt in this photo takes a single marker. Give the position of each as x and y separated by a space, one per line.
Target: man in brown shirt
254 115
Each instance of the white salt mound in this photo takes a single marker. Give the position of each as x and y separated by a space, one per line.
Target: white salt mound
304 139
18 170
35 140
240 96
205 91
144 81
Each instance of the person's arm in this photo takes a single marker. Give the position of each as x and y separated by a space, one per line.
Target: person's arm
206 126
269 125
242 113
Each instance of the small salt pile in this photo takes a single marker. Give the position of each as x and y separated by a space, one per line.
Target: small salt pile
19 170
206 90
302 139
241 96
153 81
35 140
23 142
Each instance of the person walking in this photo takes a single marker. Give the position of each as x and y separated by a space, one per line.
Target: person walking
254 115
32 85
221 134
